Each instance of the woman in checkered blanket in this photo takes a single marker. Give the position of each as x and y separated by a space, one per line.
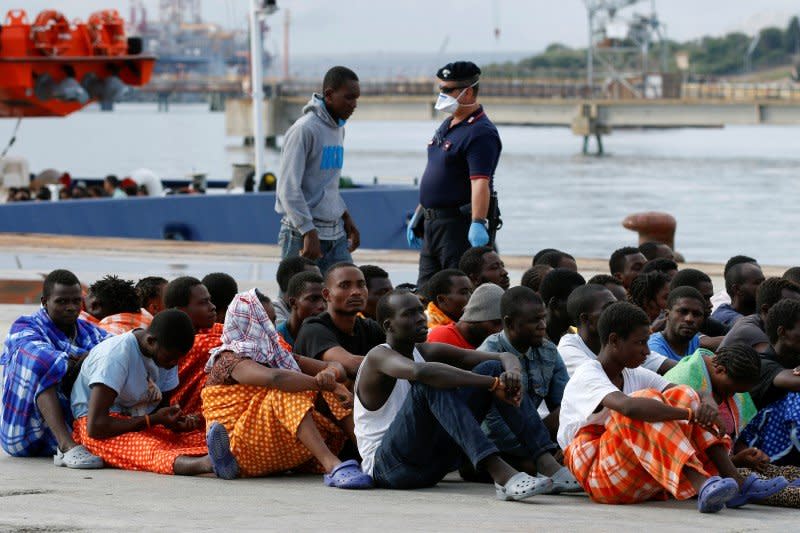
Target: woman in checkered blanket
282 412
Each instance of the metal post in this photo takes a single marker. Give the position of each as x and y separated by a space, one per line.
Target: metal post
257 88
590 51
286 24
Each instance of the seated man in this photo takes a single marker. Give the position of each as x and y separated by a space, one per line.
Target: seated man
663 265
269 309
649 292
222 288
722 297
751 330
544 375
631 436
793 275
584 306
114 306
41 357
557 259
555 289
483 265
777 394
653 250
684 315
481 318
189 295
339 335
286 269
532 278
122 395
418 409
448 292
378 284
625 264
611 283
741 283
537 257
690 277
727 376
305 300
151 294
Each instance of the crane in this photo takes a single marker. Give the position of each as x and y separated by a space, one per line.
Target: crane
610 35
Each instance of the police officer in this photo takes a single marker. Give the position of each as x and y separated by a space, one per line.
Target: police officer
455 189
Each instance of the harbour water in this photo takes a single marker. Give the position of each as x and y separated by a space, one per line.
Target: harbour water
733 190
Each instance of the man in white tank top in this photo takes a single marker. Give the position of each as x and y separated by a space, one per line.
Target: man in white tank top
418 408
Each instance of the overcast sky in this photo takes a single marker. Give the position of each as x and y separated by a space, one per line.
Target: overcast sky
353 26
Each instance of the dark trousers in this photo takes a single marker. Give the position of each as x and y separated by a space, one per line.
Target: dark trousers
436 428
444 242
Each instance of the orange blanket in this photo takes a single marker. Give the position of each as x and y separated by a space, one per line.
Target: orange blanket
436 316
191 370
151 450
262 425
125 322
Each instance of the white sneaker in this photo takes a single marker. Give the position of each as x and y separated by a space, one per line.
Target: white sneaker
78 457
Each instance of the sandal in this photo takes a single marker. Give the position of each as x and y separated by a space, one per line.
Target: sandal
348 475
219 450
715 493
563 481
754 489
78 457
521 486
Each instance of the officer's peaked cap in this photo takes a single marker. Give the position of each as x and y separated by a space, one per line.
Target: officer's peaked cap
459 71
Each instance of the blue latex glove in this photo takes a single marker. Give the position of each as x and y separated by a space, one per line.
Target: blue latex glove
413 241
478 236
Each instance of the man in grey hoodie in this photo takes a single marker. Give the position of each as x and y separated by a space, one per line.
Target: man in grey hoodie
315 221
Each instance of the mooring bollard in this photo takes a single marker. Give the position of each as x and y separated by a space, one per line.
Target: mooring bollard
654 226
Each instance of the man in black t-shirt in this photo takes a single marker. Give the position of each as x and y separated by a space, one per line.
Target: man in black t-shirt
778 376
776 395
751 329
339 334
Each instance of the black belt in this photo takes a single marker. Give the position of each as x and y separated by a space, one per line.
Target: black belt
444 212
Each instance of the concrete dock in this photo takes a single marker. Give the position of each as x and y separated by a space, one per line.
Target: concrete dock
35 496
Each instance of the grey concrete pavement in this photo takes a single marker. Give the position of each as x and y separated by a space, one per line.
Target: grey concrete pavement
37 496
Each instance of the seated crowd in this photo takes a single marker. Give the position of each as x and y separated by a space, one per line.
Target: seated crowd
640 384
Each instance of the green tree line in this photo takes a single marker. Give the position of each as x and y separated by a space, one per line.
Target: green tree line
707 55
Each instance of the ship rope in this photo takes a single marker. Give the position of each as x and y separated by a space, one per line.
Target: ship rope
13 138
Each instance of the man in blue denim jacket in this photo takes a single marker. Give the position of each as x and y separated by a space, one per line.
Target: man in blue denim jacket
544 373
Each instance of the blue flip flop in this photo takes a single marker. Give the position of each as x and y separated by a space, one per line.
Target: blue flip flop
715 492
754 489
219 450
348 475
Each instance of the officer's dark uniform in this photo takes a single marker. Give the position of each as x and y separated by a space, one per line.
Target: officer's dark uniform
469 150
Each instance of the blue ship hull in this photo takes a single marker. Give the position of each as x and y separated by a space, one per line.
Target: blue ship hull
380 212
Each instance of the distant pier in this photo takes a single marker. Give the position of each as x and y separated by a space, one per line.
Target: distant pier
586 118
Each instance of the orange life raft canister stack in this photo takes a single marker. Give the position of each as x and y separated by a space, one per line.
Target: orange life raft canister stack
53 67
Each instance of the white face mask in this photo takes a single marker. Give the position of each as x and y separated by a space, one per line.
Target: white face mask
447 104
